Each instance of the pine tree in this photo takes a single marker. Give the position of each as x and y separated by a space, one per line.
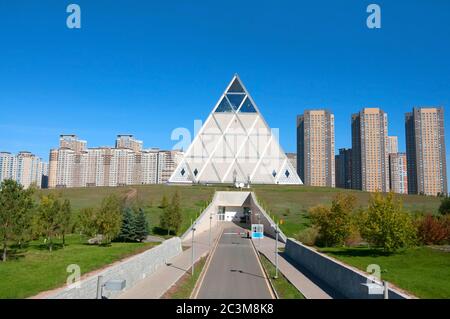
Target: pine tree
128 228
140 225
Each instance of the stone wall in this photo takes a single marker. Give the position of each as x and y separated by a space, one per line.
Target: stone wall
343 279
132 270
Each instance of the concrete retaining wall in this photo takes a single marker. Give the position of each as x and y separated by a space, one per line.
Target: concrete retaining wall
233 199
132 270
345 280
202 222
264 219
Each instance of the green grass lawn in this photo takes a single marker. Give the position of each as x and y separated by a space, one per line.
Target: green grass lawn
193 200
423 271
35 269
184 287
284 288
291 203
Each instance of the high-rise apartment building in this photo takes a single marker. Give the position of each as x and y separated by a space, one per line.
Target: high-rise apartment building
7 166
72 142
25 168
75 165
168 162
425 151
392 144
315 148
370 161
398 173
128 141
52 168
343 162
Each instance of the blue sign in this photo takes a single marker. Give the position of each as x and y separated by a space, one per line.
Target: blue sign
257 231
257 235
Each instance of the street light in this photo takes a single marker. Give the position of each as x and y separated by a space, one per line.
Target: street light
276 250
259 223
210 221
193 261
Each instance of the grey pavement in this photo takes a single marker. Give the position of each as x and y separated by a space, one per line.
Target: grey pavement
155 285
234 271
308 286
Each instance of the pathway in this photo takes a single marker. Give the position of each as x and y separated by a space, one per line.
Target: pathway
155 285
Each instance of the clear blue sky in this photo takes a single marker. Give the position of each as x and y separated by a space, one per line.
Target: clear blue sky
147 67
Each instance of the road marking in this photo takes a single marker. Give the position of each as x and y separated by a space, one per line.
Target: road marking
205 268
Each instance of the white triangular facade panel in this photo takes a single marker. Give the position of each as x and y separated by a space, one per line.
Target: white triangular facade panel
235 144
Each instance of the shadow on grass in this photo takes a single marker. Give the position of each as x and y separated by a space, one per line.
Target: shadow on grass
43 247
14 255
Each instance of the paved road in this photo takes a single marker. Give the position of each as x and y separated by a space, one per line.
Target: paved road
234 271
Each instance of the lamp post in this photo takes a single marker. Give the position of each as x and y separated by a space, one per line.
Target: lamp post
259 223
210 221
193 260
276 250
111 285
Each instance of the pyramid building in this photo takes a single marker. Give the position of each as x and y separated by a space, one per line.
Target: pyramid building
235 145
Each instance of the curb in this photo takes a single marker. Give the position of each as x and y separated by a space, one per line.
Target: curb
196 289
274 292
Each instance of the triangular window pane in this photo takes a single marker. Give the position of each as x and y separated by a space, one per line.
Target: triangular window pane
236 87
247 107
224 106
235 100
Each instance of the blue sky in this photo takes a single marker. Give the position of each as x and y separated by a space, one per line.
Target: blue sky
147 67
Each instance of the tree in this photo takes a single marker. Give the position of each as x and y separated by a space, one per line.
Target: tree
334 223
385 224
444 208
176 218
109 218
165 219
164 202
87 221
128 228
15 208
432 230
65 217
140 225
171 218
48 219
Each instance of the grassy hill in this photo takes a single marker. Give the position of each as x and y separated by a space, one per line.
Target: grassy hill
291 203
193 199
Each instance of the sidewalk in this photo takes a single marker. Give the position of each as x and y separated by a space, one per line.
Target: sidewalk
154 286
307 287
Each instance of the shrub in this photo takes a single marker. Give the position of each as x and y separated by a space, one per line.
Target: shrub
308 236
385 224
334 223
432 230
444 208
